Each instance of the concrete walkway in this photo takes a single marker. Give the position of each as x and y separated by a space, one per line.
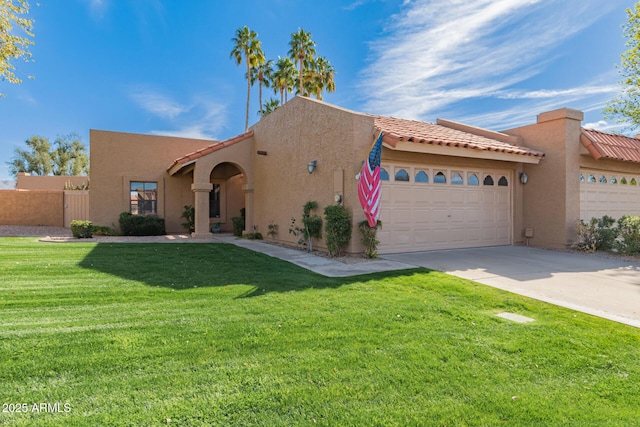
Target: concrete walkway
318 264
603 287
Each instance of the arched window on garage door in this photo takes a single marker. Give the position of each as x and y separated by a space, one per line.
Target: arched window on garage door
488 180
402 175
422 176
502 182
440 178
384 175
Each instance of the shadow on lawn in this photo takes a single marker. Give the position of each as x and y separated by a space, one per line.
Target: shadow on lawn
188 266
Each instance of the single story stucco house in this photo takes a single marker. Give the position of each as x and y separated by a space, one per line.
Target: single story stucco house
445 185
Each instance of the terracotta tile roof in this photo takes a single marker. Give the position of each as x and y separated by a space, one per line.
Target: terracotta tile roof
210 149
396 130
611 146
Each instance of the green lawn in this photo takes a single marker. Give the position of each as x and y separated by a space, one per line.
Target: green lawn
212 334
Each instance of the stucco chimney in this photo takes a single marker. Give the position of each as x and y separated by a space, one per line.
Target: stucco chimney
562 113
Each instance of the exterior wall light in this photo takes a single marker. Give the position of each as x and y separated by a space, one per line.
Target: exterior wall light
523 178
312 166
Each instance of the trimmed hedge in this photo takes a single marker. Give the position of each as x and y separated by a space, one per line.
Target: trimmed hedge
81 229
337 228
141 225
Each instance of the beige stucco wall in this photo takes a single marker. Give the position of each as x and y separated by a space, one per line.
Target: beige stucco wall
35 207
118 158
26 181
551 198
301 131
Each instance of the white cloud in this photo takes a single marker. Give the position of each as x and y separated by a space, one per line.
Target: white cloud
202 119
582 91
157 103
438 53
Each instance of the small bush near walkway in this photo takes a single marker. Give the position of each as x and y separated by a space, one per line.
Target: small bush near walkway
81 229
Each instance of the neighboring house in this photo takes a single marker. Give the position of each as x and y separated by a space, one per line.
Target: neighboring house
445 185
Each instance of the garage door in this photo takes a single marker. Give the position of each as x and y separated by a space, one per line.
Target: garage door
426 208
608 193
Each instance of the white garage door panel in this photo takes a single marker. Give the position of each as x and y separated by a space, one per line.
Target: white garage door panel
608 193
423 216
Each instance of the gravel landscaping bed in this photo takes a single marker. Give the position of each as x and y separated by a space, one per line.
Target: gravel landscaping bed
33 231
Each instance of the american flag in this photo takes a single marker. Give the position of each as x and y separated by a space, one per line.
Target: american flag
369 184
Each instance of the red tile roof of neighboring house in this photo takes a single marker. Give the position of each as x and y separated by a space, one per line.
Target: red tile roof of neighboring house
611 146
210 149
396 130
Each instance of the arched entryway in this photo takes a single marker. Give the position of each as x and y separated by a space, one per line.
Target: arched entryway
222 183
226 198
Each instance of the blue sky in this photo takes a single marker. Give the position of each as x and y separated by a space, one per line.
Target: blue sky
163 66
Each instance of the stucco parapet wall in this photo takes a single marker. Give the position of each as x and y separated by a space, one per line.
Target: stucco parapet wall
562 113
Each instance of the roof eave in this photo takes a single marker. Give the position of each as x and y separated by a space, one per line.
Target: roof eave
590 145
474 153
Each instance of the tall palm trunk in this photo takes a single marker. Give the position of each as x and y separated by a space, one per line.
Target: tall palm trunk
260 93
246 116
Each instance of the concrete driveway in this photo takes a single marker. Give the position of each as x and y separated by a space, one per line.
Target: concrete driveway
603 287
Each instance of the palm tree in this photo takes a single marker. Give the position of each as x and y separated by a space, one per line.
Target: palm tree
247 45
263 73
270 106
284 78
302 49
324 73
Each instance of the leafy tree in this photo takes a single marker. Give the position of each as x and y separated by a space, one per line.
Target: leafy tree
68 158
246 45
302 49
263 73
626 106
14 45
36 161
284 78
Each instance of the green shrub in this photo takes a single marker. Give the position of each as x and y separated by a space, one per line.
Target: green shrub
312 224
101 230
337 228
628 240
238 225
369 238
141 225
587 236
81 229
599 234
607 233
189 214
256 235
